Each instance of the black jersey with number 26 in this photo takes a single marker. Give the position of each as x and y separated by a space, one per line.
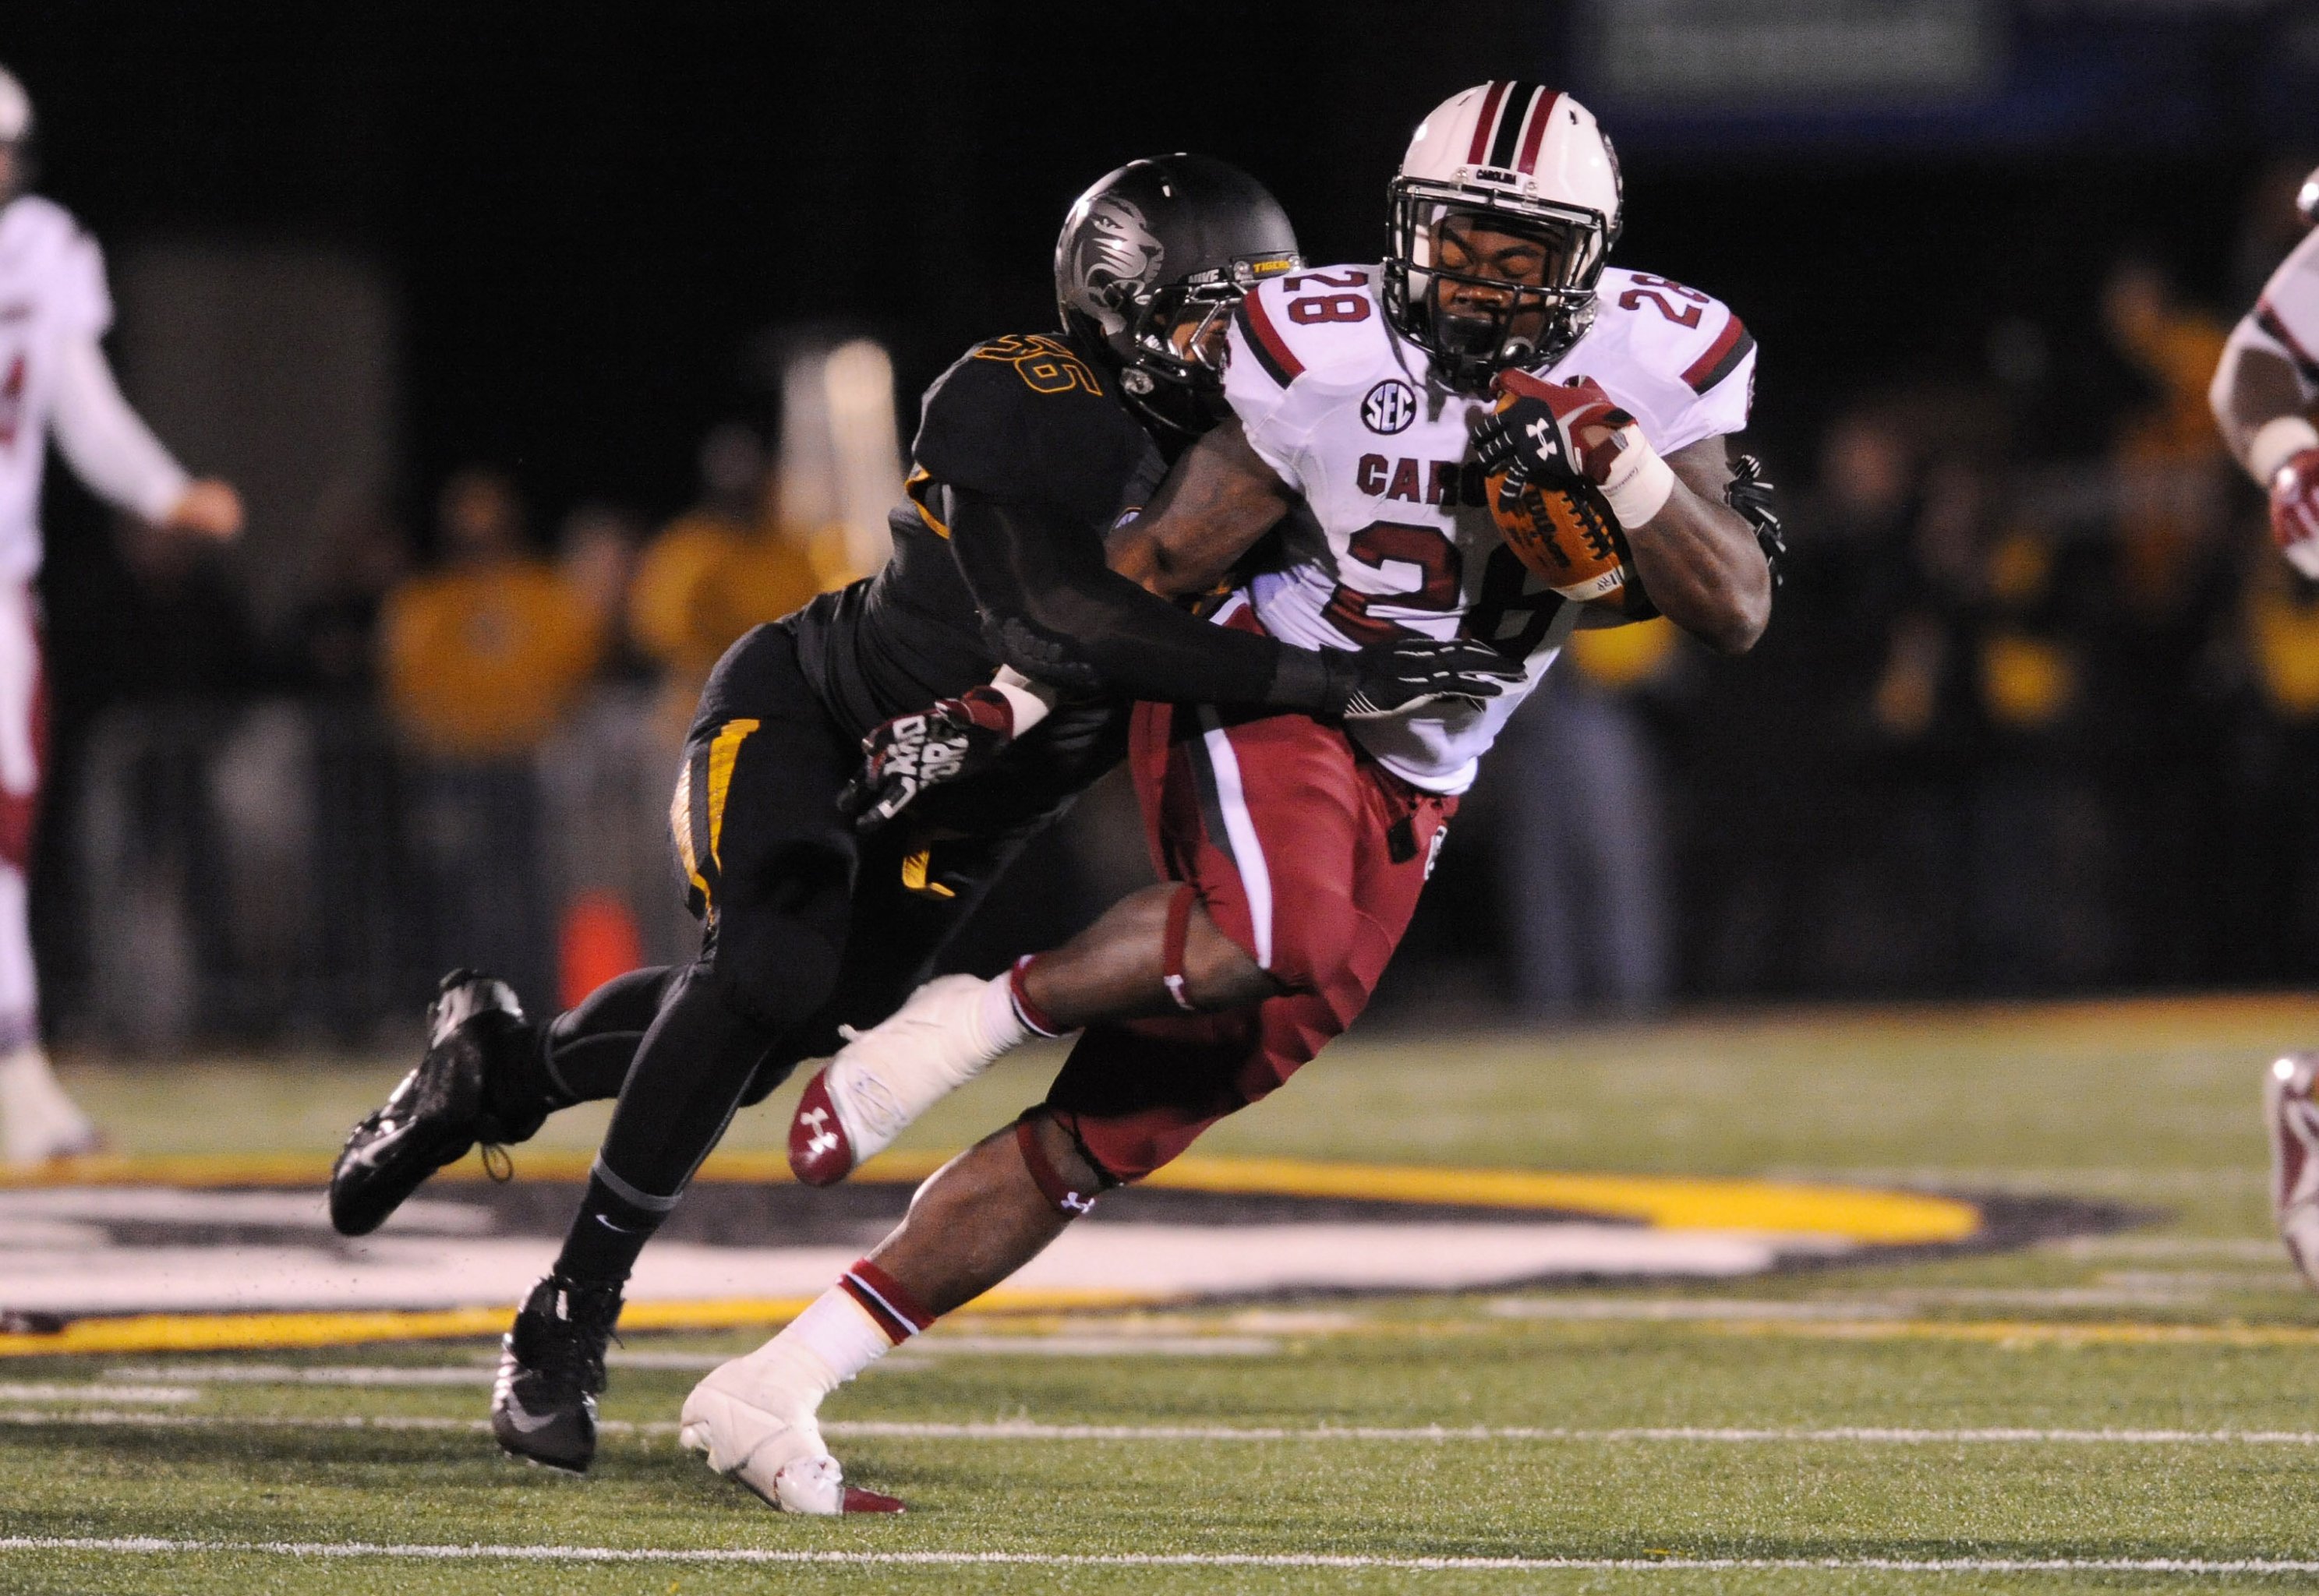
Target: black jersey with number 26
1025 419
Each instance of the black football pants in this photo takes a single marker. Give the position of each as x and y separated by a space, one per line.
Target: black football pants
806 927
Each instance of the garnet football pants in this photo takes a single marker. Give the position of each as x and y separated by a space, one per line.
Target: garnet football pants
23 759
1307 854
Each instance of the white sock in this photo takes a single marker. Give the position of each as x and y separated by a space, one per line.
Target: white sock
37 1116
821 1350
1002 1026
839 1334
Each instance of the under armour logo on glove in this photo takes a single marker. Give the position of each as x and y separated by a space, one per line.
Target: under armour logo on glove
903 757
1542 430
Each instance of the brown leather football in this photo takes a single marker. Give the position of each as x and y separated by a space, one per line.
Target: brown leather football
1565 532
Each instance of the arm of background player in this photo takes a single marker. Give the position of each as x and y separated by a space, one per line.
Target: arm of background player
1046 585
112 451
1698 557
2253 387
1218 501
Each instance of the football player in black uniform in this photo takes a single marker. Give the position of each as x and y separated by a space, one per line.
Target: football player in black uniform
1030 449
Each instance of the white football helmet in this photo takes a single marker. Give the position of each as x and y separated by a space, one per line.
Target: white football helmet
1506 160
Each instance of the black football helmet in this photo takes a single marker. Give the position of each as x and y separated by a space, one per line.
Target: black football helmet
1151 262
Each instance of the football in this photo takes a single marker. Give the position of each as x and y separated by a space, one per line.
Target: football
1566 533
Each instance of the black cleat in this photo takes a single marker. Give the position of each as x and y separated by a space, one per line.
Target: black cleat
551 1368
441 1109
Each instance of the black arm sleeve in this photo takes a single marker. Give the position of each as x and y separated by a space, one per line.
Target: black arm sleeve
1058 612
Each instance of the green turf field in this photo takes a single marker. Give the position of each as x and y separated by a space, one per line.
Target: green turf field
2137 1398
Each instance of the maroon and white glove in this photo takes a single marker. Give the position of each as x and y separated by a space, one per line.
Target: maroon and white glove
2294 511
1542 430
903 756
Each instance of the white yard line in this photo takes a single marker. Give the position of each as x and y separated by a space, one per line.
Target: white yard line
42 1390
950 1343
745 1555
1680 1308
1027 1430
347 1374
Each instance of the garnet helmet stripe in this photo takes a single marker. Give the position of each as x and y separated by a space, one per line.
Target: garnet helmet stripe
1519 97
1482 125
1541 113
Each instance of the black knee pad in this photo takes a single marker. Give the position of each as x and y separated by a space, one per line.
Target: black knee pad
775 958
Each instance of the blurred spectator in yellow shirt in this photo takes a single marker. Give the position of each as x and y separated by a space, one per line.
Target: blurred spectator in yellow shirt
484 655
2171 468
725 565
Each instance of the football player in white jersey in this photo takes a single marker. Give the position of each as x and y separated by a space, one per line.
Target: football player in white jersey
1294 850
54 308
2263 393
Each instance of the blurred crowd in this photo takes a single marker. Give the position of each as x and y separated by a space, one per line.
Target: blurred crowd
457 752
2038 710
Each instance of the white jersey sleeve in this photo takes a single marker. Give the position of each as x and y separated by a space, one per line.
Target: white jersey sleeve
1680 361
52 299
109 446
2285 319
1286 362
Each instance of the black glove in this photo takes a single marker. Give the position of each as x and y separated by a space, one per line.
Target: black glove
903 756
1748 494
1410 672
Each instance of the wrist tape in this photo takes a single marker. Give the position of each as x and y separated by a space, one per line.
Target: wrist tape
2275 443
1030 700
1639 483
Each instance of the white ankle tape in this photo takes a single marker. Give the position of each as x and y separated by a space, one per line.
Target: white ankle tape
2275 443
838 1335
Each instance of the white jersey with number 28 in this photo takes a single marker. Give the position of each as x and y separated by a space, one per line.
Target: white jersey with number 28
1394 535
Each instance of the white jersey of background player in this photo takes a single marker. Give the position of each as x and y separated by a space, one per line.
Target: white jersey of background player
1394 529
54 307
2262 394
2264 391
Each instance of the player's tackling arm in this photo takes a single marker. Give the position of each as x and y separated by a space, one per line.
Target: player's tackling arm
1220 499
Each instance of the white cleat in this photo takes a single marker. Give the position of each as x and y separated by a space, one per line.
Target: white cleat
885 1077
763 1438
2292 1120
38 1123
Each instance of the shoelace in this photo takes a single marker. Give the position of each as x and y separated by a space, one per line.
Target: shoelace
569 1362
